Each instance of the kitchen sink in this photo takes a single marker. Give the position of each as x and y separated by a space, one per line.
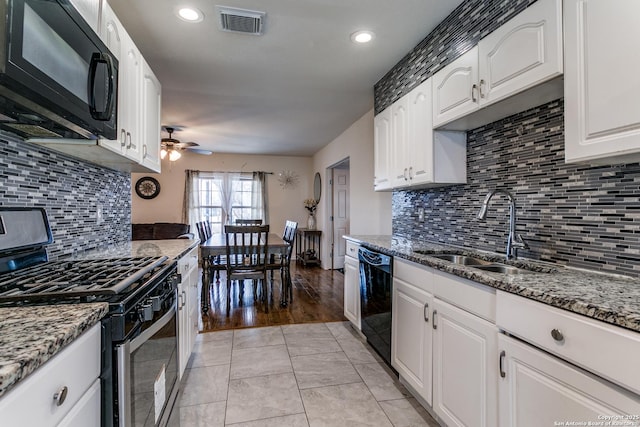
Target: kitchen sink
462 259
503 269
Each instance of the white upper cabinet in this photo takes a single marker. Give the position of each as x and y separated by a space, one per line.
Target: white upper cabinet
381 150
138 99
417 156
602 83
150 119
523 55
89 10
455 88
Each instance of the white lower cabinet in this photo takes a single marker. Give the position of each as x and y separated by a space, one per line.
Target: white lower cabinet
352 288
538 389
411 335
187 307
465 367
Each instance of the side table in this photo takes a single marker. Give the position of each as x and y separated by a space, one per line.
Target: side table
308 246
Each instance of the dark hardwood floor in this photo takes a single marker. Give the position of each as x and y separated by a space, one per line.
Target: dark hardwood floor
317 297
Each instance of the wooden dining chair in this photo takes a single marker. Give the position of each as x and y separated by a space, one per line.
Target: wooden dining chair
248 222
283 261
246 256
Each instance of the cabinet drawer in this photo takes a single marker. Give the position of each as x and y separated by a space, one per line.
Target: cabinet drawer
473 297
410 272
31 402
608 351
188 262
352 249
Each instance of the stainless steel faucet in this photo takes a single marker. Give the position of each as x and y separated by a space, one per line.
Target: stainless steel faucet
515 241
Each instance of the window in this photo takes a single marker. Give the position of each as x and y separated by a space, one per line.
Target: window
222 197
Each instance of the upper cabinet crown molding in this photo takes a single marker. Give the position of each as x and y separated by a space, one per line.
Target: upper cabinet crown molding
602 118
524 56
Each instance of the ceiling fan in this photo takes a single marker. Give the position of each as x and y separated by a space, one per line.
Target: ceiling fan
173 147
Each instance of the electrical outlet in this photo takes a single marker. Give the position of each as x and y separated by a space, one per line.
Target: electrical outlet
421 214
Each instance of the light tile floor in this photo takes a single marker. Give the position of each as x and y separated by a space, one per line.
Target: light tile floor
319 374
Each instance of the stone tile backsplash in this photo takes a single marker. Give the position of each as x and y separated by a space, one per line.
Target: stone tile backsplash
72 192
578 215
458 33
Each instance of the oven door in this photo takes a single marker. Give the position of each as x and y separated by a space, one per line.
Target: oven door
148 374
53 62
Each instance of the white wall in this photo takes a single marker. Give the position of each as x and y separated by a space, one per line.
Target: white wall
283 203
370 211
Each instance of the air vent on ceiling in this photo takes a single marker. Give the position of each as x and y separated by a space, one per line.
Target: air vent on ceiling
241 20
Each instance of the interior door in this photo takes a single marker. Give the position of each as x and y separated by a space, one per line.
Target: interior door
340 205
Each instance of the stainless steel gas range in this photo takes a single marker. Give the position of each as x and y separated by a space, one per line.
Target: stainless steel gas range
139 375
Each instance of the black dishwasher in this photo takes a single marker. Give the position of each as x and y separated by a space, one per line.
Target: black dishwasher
375 300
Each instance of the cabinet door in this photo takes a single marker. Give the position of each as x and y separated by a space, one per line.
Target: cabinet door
112 33
538 389
455 90
192 299
411 337
465 367
522 53
399 141
602 83
352 290
419 150
87 411
89 10
129 103
382 150
151 104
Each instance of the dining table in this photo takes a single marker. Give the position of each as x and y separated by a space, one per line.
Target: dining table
215 247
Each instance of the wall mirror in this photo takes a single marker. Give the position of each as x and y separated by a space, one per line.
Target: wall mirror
317 187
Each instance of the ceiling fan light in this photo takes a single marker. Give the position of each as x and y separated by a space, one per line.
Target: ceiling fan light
163 153
174 155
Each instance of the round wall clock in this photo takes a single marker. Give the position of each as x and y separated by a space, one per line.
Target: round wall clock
147 187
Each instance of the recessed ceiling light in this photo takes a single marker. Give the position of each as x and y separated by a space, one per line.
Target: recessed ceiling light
362 36
190 14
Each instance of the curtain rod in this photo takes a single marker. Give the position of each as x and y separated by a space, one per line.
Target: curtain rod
195 170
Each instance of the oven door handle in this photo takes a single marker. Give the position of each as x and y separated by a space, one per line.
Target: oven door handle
148 333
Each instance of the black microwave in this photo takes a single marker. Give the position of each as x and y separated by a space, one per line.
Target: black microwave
57 78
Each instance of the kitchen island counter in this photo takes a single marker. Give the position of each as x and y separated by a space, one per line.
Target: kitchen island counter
30 336
610 298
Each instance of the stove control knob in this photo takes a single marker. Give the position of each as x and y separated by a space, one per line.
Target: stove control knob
145 311
156 302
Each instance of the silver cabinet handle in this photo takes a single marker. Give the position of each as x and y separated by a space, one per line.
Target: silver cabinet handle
144 150
500 363
123 137
129 140
473 92
184 298
426 312
410 172
61 395
404 174
480 88
557 335
433 320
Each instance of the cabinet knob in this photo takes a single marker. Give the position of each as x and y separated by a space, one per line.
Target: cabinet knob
557 335
61 396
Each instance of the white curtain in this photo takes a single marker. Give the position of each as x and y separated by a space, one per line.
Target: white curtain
194 204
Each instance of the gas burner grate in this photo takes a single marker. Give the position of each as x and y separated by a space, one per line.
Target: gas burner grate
77 278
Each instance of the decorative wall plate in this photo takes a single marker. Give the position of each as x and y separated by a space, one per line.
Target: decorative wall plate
288 179
147 187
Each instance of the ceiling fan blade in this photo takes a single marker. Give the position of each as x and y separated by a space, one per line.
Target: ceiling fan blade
200 151
182 145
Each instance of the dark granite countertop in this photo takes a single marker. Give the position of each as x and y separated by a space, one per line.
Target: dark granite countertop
29 336
610 298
